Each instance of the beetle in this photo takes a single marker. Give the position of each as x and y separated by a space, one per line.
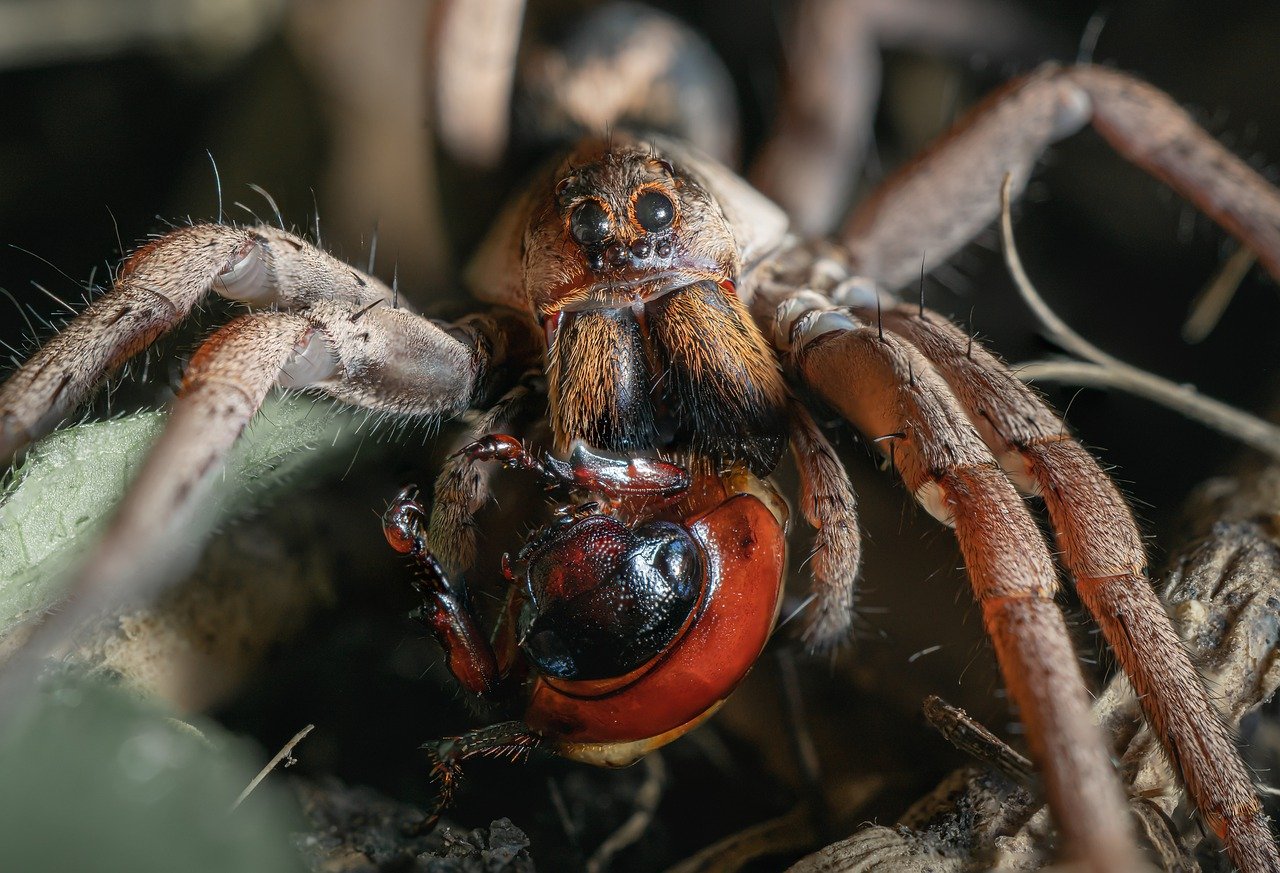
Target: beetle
634 622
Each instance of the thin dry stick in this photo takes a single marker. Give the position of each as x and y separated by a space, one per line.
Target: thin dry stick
803 746
647 799
786 834
272 764
973 738
1108 372
1206 310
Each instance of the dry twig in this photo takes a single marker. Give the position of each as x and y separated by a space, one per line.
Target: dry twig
648 797
1105 371
285 752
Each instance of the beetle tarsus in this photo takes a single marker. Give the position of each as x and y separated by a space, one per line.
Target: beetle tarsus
402 522
509 739
587 471
512 454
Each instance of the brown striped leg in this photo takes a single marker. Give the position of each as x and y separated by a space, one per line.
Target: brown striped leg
943 199
828 504
156 288
224 386
1103 552
461 490
891 393
385 359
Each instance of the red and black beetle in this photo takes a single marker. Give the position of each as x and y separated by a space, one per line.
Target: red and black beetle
629 620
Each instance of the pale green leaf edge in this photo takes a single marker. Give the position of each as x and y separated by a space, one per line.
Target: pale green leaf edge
52 506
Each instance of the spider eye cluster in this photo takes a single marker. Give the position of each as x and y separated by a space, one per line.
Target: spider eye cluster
595 226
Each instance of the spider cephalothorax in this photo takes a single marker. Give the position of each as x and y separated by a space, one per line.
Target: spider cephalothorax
623 304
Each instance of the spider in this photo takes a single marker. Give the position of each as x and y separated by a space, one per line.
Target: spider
673 312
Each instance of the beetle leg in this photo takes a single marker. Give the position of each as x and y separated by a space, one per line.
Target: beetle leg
1102 550
586 471
828 503
954 476
938 203
512 454
469 655
508 739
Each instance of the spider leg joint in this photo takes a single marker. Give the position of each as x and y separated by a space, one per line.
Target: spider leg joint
249 278
313 360
933 498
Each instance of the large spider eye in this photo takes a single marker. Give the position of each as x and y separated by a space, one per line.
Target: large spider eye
589 224
654 211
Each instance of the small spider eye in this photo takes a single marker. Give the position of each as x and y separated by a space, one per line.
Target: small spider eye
654 211
589 224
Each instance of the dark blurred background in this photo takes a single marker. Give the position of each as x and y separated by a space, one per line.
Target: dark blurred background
110 112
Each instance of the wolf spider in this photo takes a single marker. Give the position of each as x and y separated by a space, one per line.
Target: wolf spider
674 313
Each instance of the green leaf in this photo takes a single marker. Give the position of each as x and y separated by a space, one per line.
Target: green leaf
56 502
93 778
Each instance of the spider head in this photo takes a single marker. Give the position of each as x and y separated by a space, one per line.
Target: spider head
629 252
622 224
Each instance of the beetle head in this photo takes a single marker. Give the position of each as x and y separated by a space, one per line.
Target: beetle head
607 600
